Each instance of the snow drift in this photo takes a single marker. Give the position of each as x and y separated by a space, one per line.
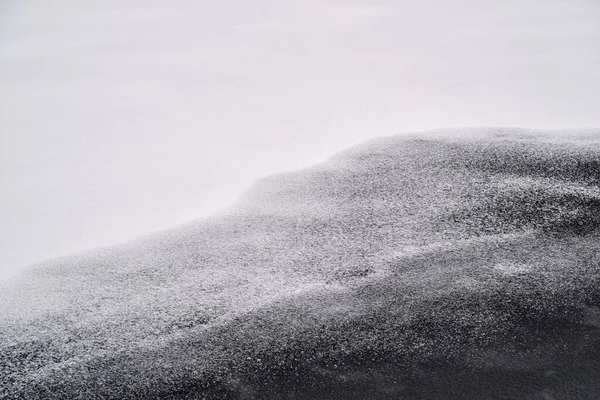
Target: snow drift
442 265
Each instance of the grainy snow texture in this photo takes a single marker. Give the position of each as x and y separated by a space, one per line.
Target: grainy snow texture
459 264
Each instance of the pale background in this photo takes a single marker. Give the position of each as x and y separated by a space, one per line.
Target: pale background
119 118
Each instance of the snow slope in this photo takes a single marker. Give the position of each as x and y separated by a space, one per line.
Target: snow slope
442 265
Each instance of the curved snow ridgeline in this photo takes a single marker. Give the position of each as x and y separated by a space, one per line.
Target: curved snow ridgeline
443 265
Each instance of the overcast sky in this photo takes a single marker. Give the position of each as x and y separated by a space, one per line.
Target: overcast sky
119 118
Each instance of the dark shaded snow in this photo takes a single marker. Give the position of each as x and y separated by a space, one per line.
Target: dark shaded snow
443 265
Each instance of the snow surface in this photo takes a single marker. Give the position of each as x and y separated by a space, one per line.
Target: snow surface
456 264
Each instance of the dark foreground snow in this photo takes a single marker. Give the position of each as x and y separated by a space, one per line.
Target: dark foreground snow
457 264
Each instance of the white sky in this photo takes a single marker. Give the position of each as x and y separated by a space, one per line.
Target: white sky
119 118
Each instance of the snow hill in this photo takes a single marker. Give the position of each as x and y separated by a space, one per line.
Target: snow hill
451 264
